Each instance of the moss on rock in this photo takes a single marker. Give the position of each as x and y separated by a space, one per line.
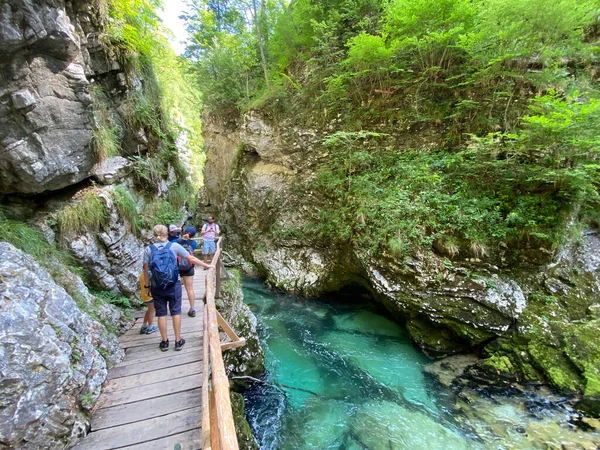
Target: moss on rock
242 427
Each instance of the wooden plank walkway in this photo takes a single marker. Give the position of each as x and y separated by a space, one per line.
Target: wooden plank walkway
152 399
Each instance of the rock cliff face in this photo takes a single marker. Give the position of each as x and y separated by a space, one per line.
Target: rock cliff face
46 122
56 65
54 354
254 169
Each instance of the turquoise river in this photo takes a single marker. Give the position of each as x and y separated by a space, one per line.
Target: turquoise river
342 376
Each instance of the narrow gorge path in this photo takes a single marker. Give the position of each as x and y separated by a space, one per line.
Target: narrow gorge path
152 399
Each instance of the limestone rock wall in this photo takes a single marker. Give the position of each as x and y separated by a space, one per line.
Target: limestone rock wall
54 354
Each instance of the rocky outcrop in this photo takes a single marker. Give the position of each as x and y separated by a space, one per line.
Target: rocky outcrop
46 123
249 359
113 254
54 353
50 56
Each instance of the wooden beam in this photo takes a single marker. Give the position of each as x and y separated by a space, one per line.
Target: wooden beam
234 344
227 328
214 424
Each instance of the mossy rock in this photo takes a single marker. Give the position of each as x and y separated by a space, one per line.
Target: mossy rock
433 339
242 427
582 348
558 369
501 364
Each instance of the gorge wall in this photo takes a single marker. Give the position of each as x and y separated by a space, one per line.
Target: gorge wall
88 163
533 316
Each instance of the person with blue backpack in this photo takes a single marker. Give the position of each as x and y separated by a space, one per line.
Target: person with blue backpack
186 269
160 259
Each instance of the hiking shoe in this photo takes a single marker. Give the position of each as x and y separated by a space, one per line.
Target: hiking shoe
144 329
192 312
179 344
152 329
164 345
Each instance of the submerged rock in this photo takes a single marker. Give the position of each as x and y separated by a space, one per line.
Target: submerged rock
389 426
53 354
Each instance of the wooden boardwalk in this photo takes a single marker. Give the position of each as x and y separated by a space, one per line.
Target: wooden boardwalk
152 399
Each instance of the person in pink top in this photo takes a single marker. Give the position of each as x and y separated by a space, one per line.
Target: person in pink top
209 232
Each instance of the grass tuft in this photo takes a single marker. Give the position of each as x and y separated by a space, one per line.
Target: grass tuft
105 138
127 207
88 214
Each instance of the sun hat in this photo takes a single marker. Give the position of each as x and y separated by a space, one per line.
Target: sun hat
190 230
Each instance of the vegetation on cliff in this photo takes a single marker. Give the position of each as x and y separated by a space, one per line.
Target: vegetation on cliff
505 89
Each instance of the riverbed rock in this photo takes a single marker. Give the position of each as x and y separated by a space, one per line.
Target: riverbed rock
54 354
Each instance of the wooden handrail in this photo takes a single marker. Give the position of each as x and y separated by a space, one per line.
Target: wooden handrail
218 429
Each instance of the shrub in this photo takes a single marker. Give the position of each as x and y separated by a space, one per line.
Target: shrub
31 241
112 298
160 211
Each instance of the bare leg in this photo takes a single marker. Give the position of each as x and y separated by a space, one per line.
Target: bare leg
149 316
150 313
162 326
188 282
177 327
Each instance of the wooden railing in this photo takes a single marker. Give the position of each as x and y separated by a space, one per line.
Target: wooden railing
218 429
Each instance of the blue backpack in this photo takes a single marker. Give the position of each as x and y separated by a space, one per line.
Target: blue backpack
163 265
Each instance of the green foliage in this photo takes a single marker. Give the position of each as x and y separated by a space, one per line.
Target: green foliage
105 137
87 214
507 187
112 298
126 207
177 196
160 211
31 241
168 103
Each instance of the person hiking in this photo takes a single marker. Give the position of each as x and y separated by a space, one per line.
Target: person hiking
174 233
164 285
186 270
147 327
209 231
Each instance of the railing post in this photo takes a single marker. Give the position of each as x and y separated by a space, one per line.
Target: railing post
218 277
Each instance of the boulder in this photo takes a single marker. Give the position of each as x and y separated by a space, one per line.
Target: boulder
53 353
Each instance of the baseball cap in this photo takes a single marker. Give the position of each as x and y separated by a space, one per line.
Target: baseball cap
173 228
190 230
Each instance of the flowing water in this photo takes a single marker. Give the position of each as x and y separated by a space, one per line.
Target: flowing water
342 376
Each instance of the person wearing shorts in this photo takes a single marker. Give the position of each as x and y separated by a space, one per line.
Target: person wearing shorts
209 232
167 300
187 276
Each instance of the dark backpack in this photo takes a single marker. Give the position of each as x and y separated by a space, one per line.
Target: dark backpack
163 265
184 264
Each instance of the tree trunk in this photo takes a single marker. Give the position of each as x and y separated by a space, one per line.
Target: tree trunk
263 60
